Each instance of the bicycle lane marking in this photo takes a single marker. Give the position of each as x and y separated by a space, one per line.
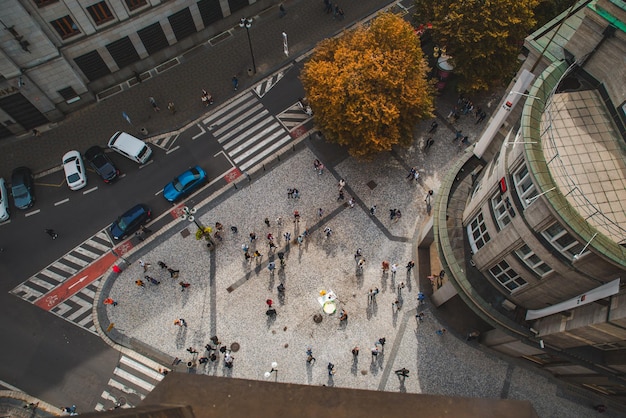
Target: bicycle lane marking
79 281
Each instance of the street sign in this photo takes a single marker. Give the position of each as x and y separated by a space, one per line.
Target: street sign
285 45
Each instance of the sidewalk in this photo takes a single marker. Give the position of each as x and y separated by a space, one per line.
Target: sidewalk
204 67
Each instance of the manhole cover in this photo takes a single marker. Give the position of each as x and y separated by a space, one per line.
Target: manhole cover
185 233
234 347
371 184
317 318
363 372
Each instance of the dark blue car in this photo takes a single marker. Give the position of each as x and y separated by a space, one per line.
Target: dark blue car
101 164
184 184
22 188
130 221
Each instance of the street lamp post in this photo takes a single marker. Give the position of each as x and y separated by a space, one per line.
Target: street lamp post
188 213
247 23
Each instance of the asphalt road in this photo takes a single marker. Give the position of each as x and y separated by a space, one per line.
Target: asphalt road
51 358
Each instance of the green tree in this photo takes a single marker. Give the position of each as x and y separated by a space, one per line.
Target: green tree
483 37
368 88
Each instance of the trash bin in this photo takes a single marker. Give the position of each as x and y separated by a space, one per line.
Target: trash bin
250 72
143 131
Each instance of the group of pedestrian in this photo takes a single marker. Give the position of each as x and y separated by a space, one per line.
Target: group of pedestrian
337 11
318 166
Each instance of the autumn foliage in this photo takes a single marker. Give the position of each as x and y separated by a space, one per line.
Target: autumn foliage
368 88
484 37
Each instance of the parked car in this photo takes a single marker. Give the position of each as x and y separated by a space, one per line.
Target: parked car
101 164
130 221
74 170
4 201
130 147
184 184
22 188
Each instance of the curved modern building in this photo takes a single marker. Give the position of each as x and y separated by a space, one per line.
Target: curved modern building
59 55
531 226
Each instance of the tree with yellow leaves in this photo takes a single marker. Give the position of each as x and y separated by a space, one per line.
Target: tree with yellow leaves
484 37
368 88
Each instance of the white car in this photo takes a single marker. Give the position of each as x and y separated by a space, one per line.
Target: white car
4 201
74 170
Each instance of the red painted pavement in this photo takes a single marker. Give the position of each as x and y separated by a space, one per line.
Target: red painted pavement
232 175
82 279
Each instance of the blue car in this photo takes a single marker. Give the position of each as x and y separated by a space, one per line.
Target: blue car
184 184
130 221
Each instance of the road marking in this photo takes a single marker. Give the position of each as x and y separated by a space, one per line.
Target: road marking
33 212
134 379
121 176
172 150
142 368
159 192
202 132
82 279
90 190
60 202
146 164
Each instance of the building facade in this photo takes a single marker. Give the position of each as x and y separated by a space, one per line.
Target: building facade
533 235
59 55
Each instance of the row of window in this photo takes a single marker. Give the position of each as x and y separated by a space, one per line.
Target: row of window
99 12
556 235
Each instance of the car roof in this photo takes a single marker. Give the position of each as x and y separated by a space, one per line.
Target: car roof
92 152
70 154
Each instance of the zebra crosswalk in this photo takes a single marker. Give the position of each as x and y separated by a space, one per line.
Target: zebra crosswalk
264 86
77 308
293 117
165 142
132 380
247 131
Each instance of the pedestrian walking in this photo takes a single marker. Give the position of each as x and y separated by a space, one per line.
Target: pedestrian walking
320 212
287 236
235 82
385 266
296 216
358 253
252 236
173 273
203 360
329 6
420 297
420 316
382 341
154 104
271 312
171 108
409 266
300 239
270 237
281 289
392 214
441 331
374 293
429 143
144 265
192 350
433 127
281 11
328 232
351 203
400 287
309 356
398 216
258 256
472 336
373 210
183 285
412 172
395 305
481 118
375 352
244 247
271 267
458 135
331 369
272 246
162 265
279 221
228 360
394 269
342 183
361 264
152 280
140 283
52 233
234 229
355 351
341 196
109 301
36 132
343 316
402 373
267 222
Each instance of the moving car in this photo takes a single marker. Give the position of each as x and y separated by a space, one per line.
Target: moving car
130 147
130 221
101 164
184 184
4 201
74 170
22 188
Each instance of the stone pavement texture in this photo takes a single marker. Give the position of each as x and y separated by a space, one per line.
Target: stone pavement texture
437 364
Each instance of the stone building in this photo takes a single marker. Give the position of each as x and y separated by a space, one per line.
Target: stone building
531 226
59 55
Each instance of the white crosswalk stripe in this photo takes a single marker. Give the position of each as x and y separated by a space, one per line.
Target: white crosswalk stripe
264 86
77 309
131 381
165 143
247 131
293 116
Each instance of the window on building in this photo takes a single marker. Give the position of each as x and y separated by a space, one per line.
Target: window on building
500 211
135 4
507 277
43 3
524 185
100 13
65 27
533 261
562 240
477 233
69 95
